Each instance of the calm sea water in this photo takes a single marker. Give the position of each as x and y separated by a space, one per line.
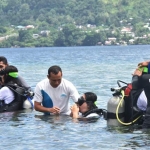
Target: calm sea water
95 69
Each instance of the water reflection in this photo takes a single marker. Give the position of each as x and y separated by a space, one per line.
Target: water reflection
61 132
53 119
132 137
15 118
7 116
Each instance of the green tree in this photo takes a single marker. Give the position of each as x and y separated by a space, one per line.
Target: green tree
3 29
92 38
25 35
69 36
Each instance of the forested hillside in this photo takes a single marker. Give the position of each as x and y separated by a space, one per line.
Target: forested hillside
80 12
56 15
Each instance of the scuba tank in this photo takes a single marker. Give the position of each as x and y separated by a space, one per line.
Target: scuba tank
112 107
28 104
121 108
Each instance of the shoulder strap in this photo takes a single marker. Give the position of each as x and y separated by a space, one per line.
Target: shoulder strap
15 88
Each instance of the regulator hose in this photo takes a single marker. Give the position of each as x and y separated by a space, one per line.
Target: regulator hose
119 104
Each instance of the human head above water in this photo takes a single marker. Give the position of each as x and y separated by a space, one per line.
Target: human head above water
87 102
3 62
54 75
54 69
10 73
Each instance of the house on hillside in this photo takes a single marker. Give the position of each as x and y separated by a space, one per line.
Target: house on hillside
131 41
21 27
127 31
112 39
107 42
44 33
30 26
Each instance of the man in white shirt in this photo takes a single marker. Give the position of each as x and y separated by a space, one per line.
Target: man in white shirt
52 94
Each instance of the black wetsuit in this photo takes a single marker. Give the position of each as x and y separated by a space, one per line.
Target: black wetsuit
144 82
17 103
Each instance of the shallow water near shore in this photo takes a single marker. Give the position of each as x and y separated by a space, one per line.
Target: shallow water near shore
95 69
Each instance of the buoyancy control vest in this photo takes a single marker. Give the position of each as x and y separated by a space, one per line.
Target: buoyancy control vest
122 107
100 112
20 94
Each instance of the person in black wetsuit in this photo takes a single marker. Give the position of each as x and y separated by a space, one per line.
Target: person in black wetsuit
11 92
142 80
4 64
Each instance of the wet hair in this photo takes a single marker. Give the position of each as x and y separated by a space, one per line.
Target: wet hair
54 69
4 60
8 78
90 96
91 105
90 100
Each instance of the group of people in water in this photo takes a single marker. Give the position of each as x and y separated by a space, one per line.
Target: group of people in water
13 88
51 95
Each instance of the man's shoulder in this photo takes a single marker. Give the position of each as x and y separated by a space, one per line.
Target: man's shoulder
65 81
68 84
44 81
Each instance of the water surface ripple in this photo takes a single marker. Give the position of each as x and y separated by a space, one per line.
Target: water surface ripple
90 69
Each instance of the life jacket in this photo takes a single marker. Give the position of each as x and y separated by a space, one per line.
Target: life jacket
20 94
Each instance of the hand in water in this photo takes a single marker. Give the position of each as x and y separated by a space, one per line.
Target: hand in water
55 110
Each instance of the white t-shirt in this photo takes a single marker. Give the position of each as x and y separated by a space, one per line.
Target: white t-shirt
142 101
7 95
59 97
